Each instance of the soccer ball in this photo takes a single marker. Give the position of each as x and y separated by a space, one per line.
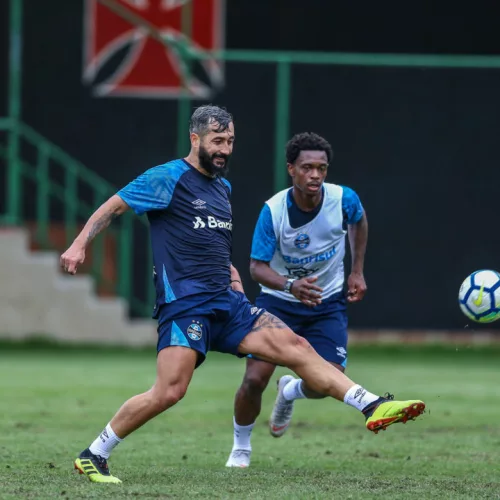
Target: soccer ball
479 296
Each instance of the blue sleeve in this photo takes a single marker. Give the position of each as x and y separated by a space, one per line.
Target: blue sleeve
351 206
228 184
153 190
264 239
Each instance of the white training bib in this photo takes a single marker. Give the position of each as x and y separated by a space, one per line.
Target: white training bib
315 249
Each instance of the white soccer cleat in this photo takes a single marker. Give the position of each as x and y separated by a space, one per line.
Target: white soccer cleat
239 458
282 410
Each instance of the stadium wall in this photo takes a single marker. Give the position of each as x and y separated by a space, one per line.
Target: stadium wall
419 145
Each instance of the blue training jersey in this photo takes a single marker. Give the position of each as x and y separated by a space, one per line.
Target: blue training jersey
191 229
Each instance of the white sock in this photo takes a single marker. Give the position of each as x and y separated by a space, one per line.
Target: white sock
359 398
293 390
242 435
105 442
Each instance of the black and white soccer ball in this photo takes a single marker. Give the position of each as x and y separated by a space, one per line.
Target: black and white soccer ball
479 296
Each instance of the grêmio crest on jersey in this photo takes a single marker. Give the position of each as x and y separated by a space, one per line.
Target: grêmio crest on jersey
146 68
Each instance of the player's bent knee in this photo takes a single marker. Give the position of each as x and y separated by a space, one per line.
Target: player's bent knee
254 383
293 351
168 398
294 342
301 342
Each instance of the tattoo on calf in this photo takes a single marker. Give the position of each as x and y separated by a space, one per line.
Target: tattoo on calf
267 320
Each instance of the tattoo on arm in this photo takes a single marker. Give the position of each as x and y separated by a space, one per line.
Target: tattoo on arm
268 321
101 223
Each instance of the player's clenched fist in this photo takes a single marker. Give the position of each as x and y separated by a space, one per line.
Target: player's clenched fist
306 291
356 287
72 258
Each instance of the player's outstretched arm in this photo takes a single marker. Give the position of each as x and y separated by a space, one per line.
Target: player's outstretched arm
358 238
100 219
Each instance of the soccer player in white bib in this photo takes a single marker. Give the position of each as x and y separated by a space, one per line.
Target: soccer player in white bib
297 258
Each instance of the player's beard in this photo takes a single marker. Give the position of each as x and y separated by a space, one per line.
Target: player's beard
207 164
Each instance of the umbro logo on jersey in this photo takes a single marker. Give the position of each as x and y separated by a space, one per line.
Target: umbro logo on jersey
199 203
212 223
300 272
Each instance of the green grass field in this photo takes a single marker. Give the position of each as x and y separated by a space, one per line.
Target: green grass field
54 401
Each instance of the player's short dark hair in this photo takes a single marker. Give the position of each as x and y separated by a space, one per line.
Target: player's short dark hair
206 115
307 141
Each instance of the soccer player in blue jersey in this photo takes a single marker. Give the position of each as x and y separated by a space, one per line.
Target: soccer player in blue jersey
200 303
298 259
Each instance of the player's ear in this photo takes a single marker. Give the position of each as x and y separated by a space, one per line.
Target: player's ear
291 169
195 140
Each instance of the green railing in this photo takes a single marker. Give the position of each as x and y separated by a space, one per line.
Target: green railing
76 177
67 193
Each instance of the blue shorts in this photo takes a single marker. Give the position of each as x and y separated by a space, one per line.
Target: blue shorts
219 322
323 326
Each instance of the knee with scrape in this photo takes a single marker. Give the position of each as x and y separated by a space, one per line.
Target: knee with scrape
302 342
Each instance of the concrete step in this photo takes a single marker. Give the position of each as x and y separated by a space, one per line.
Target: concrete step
37 299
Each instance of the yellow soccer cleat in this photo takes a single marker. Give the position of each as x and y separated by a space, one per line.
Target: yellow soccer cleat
386 412
94 467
